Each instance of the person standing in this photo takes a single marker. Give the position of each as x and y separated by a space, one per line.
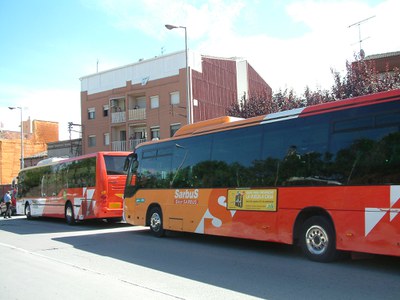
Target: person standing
7 200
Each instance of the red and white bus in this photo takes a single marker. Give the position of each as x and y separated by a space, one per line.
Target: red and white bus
325 177
77 189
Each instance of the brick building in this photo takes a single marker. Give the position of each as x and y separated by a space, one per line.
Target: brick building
147 100
385 60
66 148
34 141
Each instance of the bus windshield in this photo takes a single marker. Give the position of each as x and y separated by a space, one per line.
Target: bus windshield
115 165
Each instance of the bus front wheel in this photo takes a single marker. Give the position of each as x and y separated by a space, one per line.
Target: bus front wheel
156 222
69 214
318 240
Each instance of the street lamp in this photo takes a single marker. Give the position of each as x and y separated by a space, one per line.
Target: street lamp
22 136
189 102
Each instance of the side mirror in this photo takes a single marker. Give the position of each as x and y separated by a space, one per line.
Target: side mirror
128 161
126 164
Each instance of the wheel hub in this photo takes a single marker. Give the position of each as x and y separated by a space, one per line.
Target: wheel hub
317 240
155 222
69 212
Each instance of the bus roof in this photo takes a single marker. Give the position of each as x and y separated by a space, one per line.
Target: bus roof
228 123
224 123
192 128
333 106
56 160
50 160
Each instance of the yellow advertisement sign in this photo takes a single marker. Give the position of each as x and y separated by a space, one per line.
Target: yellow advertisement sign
261 200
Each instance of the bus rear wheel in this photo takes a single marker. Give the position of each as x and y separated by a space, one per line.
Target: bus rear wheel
156 222
318 240
28 212
69 214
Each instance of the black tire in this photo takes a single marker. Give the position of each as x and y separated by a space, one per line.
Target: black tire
28 213
318 239
114 220
156 222
69 214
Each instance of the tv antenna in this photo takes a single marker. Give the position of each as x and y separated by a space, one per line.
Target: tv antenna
360 40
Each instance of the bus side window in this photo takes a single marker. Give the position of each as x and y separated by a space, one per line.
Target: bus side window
364 156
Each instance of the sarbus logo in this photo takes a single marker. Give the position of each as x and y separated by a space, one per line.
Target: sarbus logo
187 194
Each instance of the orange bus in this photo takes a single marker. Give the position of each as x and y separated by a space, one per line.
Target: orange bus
325 177
77 189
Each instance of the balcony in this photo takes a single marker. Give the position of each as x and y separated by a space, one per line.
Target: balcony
134 143
137 114
118 117
126 145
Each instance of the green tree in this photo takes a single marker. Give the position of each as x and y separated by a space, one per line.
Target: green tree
361 78
262 104
247 108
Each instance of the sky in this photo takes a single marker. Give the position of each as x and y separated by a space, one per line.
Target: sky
47 45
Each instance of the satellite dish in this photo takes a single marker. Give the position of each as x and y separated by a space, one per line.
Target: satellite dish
362 53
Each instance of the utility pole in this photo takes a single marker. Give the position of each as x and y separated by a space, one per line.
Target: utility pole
70 125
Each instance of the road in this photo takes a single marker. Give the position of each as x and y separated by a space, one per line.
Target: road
47 259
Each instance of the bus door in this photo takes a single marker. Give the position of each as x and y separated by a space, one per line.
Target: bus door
50 193
130 167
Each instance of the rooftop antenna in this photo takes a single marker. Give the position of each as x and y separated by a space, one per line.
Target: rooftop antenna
360 40
97 66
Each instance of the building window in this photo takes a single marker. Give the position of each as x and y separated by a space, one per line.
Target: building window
117 105
138 134
106 139
92 141
105 110
91 113
155 133
154 102
174 98
174 128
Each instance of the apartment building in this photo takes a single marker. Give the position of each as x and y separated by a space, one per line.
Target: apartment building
148 100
